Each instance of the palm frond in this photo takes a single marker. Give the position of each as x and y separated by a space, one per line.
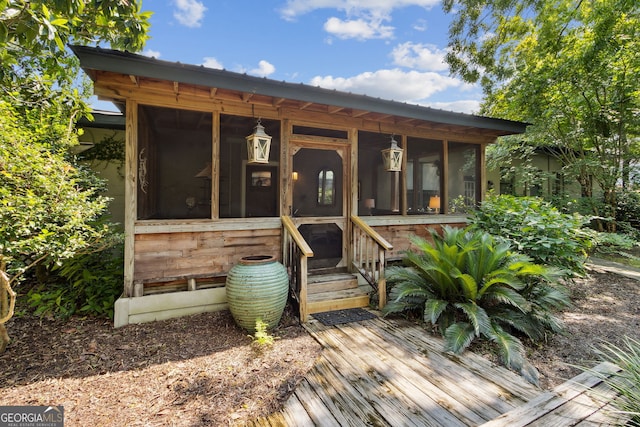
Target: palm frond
433 308
504 295
510 348
468 284
458 337
477 317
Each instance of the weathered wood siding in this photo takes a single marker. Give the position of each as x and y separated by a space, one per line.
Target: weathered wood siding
399 235
167 255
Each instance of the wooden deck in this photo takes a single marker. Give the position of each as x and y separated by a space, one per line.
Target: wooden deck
391 373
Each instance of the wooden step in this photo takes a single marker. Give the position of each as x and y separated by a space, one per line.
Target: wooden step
338 300
317 284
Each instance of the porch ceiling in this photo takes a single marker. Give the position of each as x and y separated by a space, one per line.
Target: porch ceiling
174 77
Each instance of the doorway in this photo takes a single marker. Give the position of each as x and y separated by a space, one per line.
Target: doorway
318 202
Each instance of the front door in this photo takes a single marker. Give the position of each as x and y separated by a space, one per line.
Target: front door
319 202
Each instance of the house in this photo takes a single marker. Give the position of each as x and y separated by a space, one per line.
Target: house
221 166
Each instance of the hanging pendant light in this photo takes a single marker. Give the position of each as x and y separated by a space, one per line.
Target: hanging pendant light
258 145
392 157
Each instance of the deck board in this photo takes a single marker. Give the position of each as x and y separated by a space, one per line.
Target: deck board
383 372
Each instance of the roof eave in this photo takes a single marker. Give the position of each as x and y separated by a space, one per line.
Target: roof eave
138 65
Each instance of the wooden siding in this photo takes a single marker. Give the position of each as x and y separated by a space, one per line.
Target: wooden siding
167 255
399 235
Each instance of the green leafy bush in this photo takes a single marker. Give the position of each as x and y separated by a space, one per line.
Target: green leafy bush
88 283
628 209
468 285
537 229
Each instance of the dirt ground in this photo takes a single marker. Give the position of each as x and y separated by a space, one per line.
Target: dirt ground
204 371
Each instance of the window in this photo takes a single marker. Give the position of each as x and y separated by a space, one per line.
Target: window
424 171
463 179
247 190
379 189
326 187
174 163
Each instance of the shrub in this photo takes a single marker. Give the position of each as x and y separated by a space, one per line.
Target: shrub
467 285
88 283
628 209
537 229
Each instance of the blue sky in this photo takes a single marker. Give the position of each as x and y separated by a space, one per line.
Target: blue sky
392 49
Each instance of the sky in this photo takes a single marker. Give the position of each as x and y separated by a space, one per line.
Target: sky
391 49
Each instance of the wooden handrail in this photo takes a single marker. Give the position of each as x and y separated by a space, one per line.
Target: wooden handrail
295 252
304 247
368 256
358 222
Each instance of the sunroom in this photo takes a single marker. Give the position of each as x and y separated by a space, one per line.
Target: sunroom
333 188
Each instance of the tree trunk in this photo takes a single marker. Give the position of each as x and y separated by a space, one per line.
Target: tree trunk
7 305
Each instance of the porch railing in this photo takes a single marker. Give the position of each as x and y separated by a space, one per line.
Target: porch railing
368 256
295 251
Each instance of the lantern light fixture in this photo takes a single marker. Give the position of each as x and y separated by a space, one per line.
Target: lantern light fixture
392 157
258 145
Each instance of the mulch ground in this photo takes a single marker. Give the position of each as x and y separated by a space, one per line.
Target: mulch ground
203 370
200 370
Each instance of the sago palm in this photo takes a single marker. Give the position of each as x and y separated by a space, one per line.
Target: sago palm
469 286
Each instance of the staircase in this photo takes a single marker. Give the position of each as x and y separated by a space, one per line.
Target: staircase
334 289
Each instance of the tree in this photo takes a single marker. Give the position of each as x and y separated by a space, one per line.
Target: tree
48 204
569 67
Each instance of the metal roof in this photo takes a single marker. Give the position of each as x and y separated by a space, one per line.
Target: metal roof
95 58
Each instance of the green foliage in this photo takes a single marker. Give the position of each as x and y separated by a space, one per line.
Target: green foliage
88 283
44 209
469 285
537 229
108 149
261 338
628 209
627 381
569 68
44 27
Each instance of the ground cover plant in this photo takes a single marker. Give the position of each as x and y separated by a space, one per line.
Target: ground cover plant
626 382
467 285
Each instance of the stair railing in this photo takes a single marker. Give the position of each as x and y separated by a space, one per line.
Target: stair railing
295 251
368 256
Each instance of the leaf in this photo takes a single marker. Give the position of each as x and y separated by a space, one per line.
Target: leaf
477 317
433 308
458 337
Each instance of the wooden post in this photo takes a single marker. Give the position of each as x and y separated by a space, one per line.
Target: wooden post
130 194
382 281
304 313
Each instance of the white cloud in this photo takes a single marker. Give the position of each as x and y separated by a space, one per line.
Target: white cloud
264 69
211 62
357 29
189 12
363 18
420 25
295 8
469 106
404 86
419 56
151 53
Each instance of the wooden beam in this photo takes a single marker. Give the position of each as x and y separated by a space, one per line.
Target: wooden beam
305 105
278 101
359 113
134 80
212 92
333 109
246 97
